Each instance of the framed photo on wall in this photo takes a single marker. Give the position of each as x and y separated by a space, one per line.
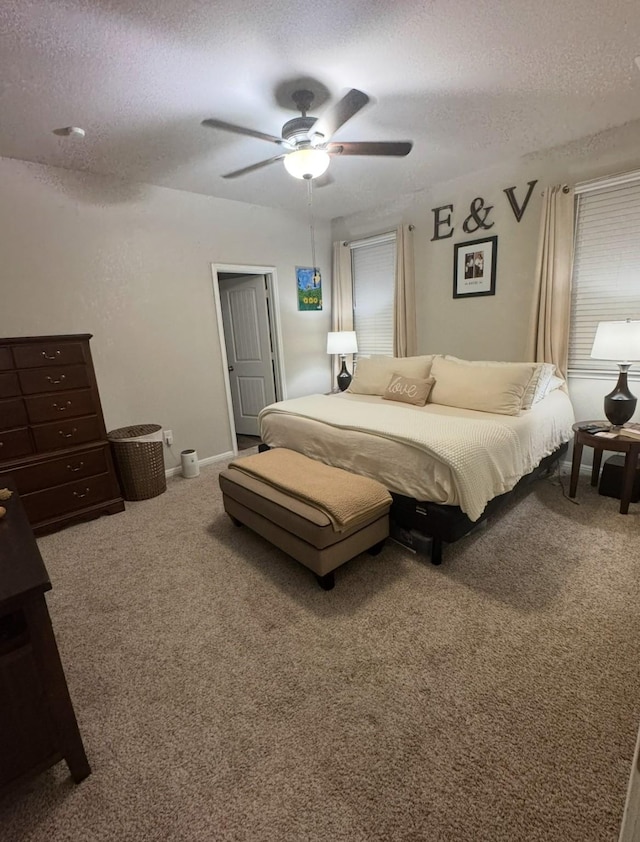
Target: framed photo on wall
474 267
309 288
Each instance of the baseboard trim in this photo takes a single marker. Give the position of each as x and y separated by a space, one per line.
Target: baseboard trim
565 468
208 460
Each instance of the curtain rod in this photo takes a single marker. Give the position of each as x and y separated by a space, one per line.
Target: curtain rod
565 189
373 240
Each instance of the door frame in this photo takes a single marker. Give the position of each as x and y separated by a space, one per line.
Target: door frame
273 309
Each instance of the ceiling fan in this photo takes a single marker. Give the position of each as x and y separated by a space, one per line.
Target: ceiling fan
306 141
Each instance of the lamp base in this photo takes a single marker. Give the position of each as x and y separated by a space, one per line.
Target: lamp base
620 404
344 378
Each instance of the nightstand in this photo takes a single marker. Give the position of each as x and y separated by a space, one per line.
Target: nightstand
621 444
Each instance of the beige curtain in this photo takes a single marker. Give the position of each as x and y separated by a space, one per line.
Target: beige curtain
404 300
341 298
549 336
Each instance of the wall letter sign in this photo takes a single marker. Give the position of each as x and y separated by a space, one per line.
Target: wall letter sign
478 214
519 211
438 223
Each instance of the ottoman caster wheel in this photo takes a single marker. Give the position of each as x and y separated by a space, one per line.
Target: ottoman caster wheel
376 549
326 582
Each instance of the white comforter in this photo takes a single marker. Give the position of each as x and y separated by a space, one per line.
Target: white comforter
439 453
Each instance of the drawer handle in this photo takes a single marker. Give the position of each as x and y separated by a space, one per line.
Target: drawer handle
51 380
61 408
79 494
47 357
78 467
68 435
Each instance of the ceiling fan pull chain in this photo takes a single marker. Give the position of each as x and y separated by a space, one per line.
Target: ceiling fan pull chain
311 225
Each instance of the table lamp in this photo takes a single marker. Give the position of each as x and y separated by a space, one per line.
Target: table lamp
619 341
342 342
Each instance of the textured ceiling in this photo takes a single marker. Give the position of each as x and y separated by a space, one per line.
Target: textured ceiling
470 81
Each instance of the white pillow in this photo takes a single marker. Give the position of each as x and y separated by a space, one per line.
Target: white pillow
555 383
542 388
372 374
484 386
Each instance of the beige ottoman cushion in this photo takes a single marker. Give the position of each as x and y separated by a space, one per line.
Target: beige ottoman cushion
297 527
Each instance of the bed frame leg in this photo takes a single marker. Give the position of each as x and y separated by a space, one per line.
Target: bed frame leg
436 551
234 520
327 581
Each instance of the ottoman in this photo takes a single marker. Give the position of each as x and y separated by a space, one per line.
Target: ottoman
293 516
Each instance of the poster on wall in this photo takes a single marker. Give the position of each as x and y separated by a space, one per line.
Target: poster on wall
474 267
309 288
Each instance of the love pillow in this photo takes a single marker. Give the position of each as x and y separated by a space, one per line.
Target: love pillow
409 389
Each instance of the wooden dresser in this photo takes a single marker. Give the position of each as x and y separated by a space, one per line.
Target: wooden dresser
38 725
53 440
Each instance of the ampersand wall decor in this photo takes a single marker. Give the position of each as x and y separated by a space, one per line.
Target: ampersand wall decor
476 207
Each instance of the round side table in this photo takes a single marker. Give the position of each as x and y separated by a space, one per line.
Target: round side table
621 444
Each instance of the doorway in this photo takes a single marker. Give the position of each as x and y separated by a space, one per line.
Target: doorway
250 344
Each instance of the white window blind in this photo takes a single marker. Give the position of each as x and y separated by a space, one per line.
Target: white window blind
373 270
606 271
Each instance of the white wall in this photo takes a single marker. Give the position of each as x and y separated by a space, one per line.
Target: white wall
496 327
132 265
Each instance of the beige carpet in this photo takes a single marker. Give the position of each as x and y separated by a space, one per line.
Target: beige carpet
223 696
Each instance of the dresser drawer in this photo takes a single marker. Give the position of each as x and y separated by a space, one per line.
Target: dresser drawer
60 406
12 414
14 443
9 385
61 434
5 359
43 505
57 379
60 470
48 353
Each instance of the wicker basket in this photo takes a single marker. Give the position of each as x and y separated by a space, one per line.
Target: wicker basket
137 452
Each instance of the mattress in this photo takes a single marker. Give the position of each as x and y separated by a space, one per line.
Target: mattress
456 457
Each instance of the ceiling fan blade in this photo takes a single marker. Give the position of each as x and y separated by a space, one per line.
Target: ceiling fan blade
253 167
230 127
376 147
338 114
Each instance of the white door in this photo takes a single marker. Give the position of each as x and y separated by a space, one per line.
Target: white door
247 337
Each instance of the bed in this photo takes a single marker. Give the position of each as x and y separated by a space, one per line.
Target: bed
447 467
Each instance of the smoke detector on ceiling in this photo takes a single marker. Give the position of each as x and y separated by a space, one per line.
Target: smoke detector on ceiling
70 131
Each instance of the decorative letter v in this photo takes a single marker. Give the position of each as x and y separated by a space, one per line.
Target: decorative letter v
519 211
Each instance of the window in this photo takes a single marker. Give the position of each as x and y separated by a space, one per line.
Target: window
373 268
606 271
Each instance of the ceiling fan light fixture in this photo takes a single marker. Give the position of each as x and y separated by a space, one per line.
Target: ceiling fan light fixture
307 163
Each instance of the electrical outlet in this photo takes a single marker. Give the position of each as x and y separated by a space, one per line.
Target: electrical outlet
168 437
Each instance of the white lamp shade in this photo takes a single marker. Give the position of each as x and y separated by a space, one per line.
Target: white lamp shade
617 341
342 342
307 163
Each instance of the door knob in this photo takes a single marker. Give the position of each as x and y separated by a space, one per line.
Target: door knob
230 368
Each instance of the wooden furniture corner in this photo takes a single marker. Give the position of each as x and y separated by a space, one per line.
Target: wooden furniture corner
38 726
621 444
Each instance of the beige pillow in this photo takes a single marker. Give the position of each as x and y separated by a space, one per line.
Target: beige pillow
408 389
372 374
538 385
485 386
